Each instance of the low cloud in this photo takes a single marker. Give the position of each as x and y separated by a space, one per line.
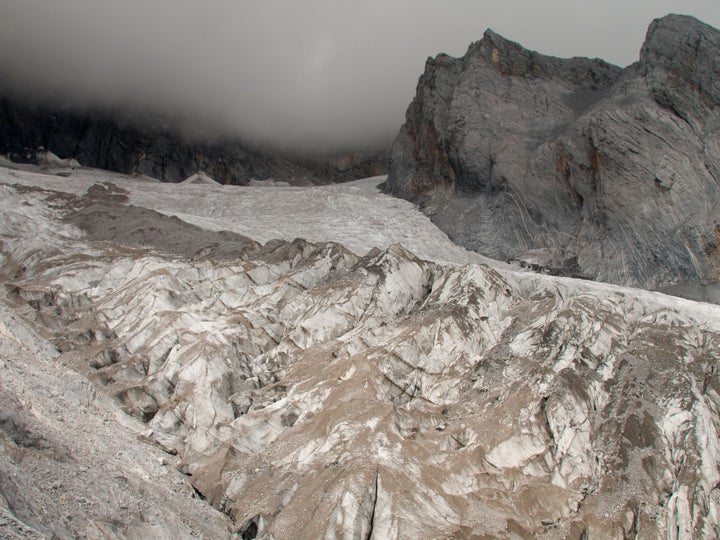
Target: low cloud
310 75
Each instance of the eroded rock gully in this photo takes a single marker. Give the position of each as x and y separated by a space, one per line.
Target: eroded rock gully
310 392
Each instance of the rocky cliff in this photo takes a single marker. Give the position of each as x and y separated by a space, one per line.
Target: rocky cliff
132 143
573 164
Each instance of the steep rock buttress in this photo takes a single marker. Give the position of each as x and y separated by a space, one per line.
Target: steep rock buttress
574 165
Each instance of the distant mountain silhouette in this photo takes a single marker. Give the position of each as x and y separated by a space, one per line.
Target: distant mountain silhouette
131 144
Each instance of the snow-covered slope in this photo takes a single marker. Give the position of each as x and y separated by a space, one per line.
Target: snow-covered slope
372 381
353 213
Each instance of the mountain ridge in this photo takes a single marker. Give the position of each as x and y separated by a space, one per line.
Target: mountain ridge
573 165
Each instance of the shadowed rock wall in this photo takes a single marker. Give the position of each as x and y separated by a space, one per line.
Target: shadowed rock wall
131 144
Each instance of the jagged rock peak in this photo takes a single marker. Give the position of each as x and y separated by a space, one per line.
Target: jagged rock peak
680 58
573 165
511 58
669 40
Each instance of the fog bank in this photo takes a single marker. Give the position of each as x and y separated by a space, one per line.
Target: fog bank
311 75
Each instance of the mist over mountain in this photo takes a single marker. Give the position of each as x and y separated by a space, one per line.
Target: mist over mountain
136 143
312 76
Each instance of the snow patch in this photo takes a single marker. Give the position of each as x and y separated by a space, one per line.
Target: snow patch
516 451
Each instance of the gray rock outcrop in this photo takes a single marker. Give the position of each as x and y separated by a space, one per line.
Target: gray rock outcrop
574 165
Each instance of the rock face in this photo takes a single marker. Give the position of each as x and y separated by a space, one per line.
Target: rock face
136 146
311 392
574 165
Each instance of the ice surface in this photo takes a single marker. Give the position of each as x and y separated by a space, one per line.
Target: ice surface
405 388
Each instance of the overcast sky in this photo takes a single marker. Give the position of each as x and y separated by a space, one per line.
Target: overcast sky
294 73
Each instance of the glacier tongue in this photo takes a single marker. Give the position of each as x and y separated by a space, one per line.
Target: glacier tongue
312 391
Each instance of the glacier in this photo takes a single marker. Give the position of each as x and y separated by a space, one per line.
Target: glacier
323 362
